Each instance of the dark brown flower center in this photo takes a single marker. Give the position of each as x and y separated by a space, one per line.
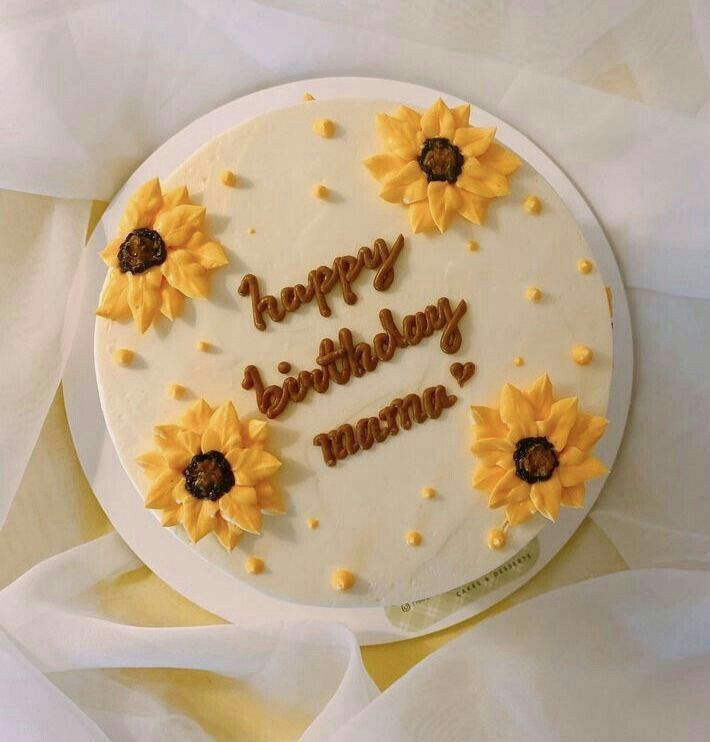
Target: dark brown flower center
142 249
535 459
440 160
209 476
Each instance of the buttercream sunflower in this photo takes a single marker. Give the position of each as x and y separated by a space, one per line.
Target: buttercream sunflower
210 472
438 165
535 453
160 256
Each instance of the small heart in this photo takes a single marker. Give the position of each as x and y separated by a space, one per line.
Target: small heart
462 372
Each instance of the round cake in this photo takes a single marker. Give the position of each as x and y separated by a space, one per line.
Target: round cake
353 353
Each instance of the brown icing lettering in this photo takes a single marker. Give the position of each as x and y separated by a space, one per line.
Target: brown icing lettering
322 280
284 367
338 361
399 413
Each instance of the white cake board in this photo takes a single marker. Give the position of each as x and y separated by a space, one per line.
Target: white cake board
185 569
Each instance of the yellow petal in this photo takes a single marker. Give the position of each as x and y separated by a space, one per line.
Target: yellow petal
472 207
110 253
252 465
587 430
142 207
197 417
546 496
407 186
176 226
573 497
227 533
461 115
180 492
222 432
572 474
208 253
487 477
172 301
500 159
240 507
144 297
198 517
185 273
405 113
384 166
499 494
540 395
399 137
420 218
519 512
152 463
254 433
160 495
517 413
114 298
557 425
474 140
519 493
175 197
486 445
482 181
443 203
438 121
488 423
270 500
177 445
170 516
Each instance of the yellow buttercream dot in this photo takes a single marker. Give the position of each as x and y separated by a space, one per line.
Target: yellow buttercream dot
428 493
254 565
582 355
413 538
308 96
321 191
533 294
176 391
324 128
532 205
496 538
341 579
251 230
518 361
228 178
123 357
313 523
203 346
473 246
585 266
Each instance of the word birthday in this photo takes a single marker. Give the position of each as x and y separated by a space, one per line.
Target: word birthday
398 414
339 361
322 280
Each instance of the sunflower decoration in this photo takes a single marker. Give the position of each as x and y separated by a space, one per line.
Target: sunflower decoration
534 454
210 473
438 166
161 255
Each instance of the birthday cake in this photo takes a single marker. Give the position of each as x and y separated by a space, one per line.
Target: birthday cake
354 353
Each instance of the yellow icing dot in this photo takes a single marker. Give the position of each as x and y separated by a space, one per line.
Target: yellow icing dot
251 230
308 96
313 522
324 128
582 355
473 246
176 391
496 538
533 294
584 266
254 565
123 357
341 579
428 493
518 361
228 178
413 538
203 346
321 191
532 205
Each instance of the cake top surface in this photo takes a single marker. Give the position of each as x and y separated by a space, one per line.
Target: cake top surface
277 225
